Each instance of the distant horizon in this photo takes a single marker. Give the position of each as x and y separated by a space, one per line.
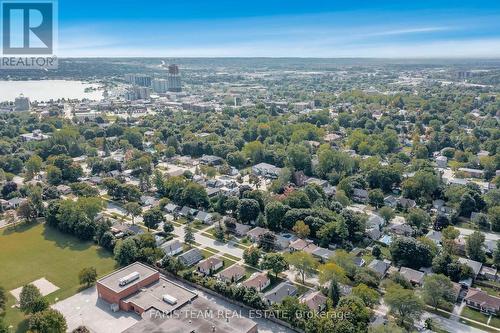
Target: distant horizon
279 57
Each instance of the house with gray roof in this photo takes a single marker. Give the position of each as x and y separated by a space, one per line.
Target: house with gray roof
187 211
360 195
211 160
413 276
204 217
190 257
278 293
171 208
474 265
380 267
435 236
322 254
172 247
266 170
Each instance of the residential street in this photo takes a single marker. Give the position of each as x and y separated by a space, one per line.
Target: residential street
487 235
451 325
209 242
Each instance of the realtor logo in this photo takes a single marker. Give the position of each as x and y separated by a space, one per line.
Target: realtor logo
28 34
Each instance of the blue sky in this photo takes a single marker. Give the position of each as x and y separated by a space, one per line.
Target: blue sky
277 28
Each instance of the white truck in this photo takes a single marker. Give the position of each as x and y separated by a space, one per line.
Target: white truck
129 278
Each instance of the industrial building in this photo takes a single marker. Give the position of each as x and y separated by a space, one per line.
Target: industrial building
165 305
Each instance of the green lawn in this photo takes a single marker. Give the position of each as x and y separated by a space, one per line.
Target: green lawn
482 318
32 252
234 258
198 225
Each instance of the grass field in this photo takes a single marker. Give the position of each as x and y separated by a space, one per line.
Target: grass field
30 252
482 318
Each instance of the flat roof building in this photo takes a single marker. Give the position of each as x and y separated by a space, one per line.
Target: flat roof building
166 305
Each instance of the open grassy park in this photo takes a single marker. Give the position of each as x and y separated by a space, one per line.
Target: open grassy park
30 252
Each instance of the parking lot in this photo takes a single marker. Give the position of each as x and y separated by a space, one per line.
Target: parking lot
86 309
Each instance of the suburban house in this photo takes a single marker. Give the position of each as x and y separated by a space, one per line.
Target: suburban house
359 261
237 229
204 217
299 245
435 236
211 160
16 202
172 247
475 265
259 281
256 232
482 301
232 274
209 265
407 203
390 201
190 257
360 195
171 208
401 229
266 170
413 276
187 211
314 300
278 293
322 254
380 267
488 273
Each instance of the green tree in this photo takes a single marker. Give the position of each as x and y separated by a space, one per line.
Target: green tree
376 252
219 233
301 229
3 300
168 227
48 321
194 195
126 251
248 210
418 218
299 157
54 175
406 251
33 165
376 198
496 255
437 290
251 256
153 217
474 246
369 296
303 262
133 209
404 305
29 298
188 235
494 218
87 276
275 262
3 326
387 213
275 211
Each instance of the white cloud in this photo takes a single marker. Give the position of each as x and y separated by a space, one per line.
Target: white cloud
478 48
408 31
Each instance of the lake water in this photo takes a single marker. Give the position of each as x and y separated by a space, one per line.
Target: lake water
45 90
